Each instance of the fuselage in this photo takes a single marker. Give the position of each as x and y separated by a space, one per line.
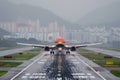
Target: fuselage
60 44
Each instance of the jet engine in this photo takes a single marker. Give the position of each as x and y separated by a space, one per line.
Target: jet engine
47 48
73 48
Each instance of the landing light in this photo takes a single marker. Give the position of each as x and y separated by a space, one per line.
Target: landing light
59 49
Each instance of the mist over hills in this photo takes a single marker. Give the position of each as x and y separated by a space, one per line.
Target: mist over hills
11 42
5 42
106 15
3 32
10 11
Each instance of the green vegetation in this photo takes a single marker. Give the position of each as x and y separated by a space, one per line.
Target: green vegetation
3 73
109 63
22 56
10 64
116 73
36 50
18 56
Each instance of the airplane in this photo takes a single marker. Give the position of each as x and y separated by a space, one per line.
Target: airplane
59 45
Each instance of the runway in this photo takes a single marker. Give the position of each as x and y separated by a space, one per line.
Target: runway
58 67
13 51
104 51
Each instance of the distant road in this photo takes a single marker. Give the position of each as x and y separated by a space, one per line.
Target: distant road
12 51
104 51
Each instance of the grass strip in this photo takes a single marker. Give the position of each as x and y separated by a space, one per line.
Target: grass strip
100 59
116 73
10 64
22 56
3 73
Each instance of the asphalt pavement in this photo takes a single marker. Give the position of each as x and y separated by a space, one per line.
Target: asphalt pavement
13 51
104 51
58 67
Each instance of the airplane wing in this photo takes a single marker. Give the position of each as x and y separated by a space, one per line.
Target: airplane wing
82 45
32 45
48 47
86 45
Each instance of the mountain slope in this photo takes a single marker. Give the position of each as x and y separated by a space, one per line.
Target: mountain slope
10 11
107 15
3 32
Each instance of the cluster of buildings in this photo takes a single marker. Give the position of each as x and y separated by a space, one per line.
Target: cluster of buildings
114 34
33 29
104 33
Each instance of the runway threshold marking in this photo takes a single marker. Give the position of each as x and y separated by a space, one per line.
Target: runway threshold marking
25 68
92 69
34 76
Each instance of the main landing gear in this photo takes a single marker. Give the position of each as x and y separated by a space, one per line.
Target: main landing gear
51 52
67 52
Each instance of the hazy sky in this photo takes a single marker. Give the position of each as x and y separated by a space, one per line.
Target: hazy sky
71 10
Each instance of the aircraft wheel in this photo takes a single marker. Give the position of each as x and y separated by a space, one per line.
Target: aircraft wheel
67 52
51 52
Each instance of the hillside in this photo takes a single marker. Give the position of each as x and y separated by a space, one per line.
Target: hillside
10 11
3 32
107 15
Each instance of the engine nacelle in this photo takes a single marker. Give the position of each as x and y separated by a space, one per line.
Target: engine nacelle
47 48
73 48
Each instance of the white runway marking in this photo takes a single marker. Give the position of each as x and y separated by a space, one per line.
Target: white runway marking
83 75
27 74
24 77
34 76
92 69
26 68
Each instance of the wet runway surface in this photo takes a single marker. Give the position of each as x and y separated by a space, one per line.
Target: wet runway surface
57 67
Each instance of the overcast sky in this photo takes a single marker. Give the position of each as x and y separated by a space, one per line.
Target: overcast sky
71 10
